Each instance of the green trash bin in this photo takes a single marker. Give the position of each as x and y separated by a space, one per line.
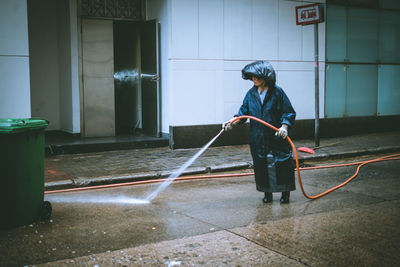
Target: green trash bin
22 172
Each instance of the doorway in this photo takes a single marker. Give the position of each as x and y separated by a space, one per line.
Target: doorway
135 98
126 77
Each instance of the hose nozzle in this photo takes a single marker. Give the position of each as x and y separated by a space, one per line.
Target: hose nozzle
227 126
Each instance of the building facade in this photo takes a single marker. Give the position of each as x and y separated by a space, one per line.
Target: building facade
110 68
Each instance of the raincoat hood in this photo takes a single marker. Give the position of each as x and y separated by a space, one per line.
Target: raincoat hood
261 69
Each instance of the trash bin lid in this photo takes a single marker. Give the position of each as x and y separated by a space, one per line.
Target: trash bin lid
8 126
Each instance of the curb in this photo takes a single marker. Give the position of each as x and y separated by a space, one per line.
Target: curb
349 154
83 182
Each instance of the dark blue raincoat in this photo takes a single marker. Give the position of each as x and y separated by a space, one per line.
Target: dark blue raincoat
272 156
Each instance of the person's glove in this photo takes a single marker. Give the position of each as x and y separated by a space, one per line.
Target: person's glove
283 131
227 126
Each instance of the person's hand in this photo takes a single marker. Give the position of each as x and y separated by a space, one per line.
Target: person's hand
283 131
227 126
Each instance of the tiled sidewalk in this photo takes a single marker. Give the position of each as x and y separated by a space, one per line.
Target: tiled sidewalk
137 164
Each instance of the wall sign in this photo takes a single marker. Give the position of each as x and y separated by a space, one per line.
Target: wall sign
308 14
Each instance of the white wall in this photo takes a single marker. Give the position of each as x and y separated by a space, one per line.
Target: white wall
160 10
14 60
212 40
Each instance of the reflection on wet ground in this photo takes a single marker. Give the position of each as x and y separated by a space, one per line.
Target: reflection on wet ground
219 223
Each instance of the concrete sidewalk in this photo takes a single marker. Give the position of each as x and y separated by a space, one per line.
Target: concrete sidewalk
219 222
215 222
76 170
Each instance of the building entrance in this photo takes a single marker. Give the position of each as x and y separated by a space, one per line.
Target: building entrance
121 93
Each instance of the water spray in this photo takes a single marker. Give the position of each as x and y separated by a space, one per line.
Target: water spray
129 200
98 199
178 172
128 75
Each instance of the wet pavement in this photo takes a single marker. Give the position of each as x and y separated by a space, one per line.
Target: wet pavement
220 222
215 222
75 170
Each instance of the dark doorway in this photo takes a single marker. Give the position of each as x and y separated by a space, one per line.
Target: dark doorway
127 77
136 78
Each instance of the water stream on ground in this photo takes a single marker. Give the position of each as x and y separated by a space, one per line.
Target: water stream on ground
179 171
100 199
129 200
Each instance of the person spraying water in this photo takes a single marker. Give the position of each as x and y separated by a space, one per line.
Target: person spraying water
272 155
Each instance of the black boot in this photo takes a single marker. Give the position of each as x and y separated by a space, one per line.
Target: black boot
267 197
285 197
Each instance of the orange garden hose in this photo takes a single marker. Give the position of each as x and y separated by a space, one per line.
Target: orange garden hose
297 160
298 169
148 182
